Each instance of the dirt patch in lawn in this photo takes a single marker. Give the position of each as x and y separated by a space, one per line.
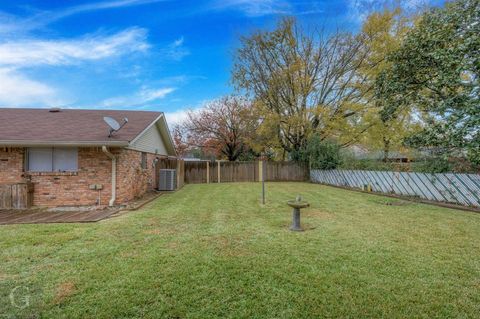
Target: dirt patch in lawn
129 254
6 277
167 230
64 290
317 214
153 221
155 231
228 246
173 245
398 203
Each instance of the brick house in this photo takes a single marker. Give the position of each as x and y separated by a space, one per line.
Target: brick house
70 159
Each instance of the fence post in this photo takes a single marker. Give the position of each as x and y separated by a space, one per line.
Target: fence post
208 172
218 173
263 181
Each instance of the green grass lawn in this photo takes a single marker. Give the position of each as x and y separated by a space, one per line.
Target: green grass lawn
213 250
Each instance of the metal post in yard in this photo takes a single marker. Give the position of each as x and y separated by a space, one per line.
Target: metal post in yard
218 162
208 172
263 182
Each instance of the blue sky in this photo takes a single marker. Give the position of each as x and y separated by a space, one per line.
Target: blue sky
161 55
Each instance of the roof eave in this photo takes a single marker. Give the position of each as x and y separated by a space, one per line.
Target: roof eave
31 143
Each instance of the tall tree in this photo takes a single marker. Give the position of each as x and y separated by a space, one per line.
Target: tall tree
302 83
181 145
382 34
223 125
436 70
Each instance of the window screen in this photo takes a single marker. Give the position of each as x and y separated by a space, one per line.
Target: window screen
65 159
52 159
40 159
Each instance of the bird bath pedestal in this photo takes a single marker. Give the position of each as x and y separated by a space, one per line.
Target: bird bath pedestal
297 205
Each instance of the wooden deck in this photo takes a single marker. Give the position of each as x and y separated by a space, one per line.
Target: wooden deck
41 216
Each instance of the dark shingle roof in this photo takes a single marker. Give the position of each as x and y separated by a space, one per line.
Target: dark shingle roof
69 125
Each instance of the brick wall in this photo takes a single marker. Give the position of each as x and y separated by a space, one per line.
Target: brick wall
94 167
132 180
71 189
11 165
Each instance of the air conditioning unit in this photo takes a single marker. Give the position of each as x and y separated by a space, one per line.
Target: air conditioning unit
167 180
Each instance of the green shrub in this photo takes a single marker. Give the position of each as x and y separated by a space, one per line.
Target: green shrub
434 165
429 165
323 154
366 164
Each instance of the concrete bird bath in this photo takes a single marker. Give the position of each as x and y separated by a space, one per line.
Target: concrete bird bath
297 204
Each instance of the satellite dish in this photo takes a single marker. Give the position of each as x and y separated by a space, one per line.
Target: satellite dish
113 124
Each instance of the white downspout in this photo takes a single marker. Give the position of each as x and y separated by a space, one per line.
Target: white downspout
114 174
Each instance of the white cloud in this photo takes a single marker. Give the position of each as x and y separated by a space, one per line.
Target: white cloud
31 52
415 4
358 10
101 6
178 42
18 90
148 95
179 116
259 8
10 24
254 8
176 117
22 52
140 98
175 50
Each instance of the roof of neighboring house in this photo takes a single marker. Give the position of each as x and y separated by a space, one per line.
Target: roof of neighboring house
362 152
22 127
194 159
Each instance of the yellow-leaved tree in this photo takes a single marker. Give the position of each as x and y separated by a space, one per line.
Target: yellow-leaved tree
302 84
382 34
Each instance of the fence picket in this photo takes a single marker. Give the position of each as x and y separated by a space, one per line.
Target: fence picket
461 189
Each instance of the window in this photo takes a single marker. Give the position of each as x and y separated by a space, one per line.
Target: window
52 159
144 160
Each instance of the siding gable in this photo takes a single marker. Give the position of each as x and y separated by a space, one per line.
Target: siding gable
150 141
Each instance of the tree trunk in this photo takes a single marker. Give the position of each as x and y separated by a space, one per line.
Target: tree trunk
386 149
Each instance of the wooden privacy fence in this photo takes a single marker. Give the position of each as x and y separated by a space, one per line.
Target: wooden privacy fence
223 171
463 189
286 171
16 196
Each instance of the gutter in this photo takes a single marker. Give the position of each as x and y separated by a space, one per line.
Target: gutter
114 174
28 143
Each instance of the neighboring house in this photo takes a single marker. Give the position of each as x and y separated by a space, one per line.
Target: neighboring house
363 153
69 157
